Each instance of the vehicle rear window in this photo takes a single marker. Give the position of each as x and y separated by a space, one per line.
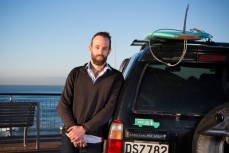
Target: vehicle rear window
183 89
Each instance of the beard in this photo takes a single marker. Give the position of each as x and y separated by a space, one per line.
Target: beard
98 59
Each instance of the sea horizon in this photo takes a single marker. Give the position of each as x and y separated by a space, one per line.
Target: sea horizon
31 88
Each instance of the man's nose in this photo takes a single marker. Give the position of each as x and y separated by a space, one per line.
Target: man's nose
100 51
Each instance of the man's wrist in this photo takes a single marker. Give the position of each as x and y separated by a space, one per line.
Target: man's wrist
85 128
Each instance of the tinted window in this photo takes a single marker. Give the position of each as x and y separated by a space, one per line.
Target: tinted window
183 89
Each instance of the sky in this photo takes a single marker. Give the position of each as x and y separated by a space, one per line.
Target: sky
41 41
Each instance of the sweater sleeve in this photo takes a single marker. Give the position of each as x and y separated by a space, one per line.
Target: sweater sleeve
65 104
105 114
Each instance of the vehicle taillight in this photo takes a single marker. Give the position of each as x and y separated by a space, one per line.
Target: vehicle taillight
115 137
211 58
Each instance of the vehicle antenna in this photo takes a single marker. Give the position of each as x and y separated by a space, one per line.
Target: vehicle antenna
185 18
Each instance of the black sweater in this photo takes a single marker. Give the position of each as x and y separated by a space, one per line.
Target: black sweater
88 104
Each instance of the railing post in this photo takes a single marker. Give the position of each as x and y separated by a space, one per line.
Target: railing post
10 98
11 130
38 126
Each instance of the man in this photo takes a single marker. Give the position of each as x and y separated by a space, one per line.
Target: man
88 99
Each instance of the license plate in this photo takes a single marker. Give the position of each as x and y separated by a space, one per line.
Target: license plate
145 147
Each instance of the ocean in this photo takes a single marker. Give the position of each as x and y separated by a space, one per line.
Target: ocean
46 95
31 88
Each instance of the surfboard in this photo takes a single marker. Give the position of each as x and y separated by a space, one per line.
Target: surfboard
178 35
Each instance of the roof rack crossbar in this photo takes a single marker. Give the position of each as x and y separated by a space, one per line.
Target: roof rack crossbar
138 42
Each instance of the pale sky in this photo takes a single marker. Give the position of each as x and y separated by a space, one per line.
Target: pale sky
42 40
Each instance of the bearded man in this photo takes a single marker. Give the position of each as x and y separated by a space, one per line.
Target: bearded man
88 100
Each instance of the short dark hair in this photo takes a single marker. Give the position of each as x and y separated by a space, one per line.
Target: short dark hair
103 34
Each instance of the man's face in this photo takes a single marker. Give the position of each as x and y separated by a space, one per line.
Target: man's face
99 50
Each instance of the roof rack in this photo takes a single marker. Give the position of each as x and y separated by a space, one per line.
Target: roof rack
139 42
144 43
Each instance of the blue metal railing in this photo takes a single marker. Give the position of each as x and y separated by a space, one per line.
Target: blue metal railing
50 123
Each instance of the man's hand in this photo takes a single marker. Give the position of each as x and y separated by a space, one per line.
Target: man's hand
80 143
76 135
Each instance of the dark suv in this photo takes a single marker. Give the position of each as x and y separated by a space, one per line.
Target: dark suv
170 107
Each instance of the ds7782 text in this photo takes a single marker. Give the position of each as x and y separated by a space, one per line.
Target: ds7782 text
142 147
